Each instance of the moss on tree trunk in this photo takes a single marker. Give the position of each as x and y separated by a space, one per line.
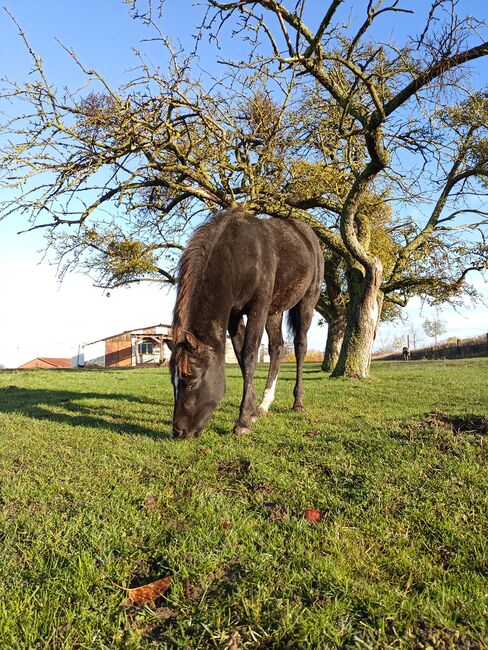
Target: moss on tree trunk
335 338
364 310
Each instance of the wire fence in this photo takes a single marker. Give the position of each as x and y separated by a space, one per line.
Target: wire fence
459 349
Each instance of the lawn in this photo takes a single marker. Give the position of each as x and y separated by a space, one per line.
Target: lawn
96 498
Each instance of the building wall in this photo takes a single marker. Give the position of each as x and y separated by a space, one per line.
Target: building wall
118 351
230 356
93 354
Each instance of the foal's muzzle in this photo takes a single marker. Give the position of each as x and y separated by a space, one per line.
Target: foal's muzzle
183 433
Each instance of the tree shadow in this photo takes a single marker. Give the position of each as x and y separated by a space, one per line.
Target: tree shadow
37 403
313 377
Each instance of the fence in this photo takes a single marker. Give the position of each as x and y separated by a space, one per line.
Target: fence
461 349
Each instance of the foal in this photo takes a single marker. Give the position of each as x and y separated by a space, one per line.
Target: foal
239 265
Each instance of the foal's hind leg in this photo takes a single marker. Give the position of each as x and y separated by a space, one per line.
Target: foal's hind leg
275 336
301 317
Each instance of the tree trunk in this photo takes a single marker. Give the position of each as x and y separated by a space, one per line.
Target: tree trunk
364 310
335 337
332 306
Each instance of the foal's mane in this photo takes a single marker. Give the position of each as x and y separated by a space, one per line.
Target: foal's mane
192 265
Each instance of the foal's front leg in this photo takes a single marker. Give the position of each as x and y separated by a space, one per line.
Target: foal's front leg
237 332
248 362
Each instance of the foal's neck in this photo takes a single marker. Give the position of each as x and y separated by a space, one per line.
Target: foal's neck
208 320
209 309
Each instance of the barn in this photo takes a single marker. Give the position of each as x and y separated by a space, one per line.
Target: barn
147 346
47 363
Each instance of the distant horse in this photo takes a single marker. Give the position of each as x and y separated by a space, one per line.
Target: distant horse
239 265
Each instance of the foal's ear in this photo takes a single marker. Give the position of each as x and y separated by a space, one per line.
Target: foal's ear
193 343
170 343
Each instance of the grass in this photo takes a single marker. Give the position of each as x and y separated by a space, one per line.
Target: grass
95 497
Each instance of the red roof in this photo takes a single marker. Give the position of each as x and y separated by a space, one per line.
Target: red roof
47 362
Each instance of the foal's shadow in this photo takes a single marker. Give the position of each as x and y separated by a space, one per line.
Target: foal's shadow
38 403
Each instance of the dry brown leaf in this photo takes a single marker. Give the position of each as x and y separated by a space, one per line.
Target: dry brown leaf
312 515
151 591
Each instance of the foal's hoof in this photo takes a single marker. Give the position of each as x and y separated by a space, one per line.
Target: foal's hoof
298 408
242 430
262 411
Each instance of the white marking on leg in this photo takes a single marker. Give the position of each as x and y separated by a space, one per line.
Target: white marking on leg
268 397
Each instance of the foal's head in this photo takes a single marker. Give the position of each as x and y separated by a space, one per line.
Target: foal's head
198 377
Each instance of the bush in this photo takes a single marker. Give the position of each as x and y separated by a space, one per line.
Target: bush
312 356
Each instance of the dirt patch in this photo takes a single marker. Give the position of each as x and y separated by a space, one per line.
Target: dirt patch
151 503
223 579
276 511
239 467
424 636
193 592
155 628
445 426
470 423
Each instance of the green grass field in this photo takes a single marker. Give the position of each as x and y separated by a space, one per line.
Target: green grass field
96 497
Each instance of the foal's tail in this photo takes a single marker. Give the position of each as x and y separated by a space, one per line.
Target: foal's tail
292 320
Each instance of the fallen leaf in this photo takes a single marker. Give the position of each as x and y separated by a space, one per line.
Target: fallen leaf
225 523
312 433
312 515
146 593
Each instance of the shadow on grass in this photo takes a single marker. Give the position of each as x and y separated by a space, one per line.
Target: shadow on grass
262 373
37 403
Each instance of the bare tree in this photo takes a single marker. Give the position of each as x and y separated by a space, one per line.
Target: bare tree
414 332
434 327
116 177
378 89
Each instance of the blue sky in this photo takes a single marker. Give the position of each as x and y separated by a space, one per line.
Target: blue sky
38 316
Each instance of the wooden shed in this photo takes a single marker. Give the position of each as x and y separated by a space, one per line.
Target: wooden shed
147 346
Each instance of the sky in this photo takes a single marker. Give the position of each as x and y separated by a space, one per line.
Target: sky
38 315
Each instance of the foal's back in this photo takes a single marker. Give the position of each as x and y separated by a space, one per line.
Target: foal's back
276 258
